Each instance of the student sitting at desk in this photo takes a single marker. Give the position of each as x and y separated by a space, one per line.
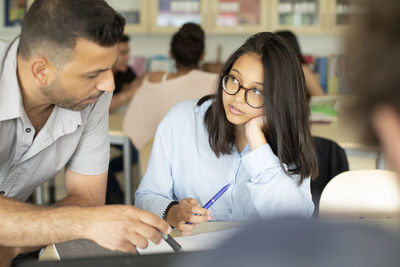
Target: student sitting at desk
161 90
256 139
126 85
126 80
313 86
377 112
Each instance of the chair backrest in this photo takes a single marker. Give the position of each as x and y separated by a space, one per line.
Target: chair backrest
144 155
363 193
332 160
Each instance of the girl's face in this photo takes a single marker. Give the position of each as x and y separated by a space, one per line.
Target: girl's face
249 72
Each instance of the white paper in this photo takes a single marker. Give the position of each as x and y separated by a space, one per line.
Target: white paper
205 241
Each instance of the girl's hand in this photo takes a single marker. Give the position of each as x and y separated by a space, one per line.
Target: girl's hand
188 210
254 132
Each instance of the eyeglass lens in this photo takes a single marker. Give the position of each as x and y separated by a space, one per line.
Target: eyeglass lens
253 97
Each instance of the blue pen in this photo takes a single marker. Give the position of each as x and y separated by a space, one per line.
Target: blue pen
214 198
217 195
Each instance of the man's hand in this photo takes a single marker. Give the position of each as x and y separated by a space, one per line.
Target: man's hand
120 227
6 256
188 210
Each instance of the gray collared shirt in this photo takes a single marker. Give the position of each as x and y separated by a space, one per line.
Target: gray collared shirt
77 140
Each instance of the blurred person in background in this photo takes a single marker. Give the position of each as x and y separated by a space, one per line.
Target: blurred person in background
161 90
126 84
313 86
125 79
377 84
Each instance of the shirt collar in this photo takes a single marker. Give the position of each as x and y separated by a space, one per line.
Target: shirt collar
11 105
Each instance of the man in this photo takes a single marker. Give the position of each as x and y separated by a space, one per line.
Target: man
377 84
126 85
126 80
55 87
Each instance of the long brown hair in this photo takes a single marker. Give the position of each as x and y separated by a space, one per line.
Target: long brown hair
285 107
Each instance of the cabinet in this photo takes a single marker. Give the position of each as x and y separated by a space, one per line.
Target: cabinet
135 13
168 15
237 16
341 11
300 16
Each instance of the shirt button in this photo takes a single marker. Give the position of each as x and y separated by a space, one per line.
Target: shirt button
28 130
2 192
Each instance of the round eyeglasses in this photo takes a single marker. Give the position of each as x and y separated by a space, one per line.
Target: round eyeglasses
254 97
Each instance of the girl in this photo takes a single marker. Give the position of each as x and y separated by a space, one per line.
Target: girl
253 134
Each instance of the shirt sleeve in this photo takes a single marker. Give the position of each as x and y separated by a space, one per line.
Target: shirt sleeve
155 191
93 152
272 190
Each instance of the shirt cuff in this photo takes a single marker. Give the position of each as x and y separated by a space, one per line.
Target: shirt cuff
260 160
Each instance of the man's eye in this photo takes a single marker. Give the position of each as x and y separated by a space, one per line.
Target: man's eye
92 76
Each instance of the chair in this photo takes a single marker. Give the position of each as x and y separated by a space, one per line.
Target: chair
332 160
361 194
144 155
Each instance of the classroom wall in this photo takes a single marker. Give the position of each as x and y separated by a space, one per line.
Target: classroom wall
158 44
149 45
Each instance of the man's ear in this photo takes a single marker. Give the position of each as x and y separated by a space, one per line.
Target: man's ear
386 123
42 71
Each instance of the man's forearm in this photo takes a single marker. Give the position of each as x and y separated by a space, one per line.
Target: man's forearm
27 225
78 200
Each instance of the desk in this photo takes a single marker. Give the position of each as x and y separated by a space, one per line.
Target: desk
117 137
95 250
346 132
389 225
348 138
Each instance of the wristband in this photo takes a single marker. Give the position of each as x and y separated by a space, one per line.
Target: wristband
168 208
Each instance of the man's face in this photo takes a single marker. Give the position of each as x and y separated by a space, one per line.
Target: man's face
122 62
83 79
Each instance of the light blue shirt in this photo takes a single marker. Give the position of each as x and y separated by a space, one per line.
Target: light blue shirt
183 165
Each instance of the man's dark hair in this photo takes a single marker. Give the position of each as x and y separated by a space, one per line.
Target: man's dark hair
187 45
373 50
53 26
286 112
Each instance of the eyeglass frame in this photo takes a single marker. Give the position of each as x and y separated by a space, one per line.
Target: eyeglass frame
246 90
